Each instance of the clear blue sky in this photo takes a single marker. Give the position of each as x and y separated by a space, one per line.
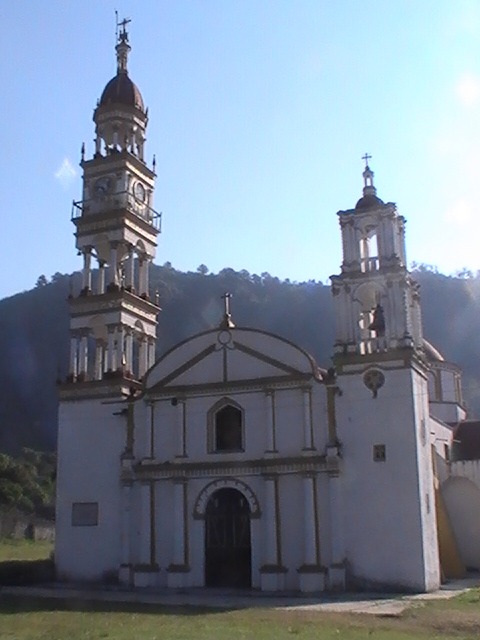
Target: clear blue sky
260 111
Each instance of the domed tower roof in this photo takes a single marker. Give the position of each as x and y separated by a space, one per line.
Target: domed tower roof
121 90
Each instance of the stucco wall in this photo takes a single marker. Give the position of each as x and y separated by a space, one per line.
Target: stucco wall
385 520
462 500
90 441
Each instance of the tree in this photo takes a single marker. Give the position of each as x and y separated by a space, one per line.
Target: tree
202 269
41 281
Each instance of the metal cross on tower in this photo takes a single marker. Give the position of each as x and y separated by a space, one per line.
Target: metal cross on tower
123 24
366 157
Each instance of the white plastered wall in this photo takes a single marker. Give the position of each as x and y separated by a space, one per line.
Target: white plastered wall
90 442
386 527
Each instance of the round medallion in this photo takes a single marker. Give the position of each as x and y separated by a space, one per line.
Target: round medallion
224 337
374 379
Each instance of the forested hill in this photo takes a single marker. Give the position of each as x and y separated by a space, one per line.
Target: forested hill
34 337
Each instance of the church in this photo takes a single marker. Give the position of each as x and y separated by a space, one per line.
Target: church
235 460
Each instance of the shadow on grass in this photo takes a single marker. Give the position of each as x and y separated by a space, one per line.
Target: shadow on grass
14 604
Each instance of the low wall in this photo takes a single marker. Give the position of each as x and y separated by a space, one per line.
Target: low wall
19 526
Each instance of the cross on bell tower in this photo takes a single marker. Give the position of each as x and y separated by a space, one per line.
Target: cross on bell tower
113 318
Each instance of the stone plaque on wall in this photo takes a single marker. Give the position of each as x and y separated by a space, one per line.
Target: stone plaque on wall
84 514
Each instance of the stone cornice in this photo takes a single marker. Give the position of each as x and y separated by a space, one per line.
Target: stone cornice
251 384
113 219
121 300
152 470
115 387
352 363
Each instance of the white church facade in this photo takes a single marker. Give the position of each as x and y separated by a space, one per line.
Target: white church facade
235 460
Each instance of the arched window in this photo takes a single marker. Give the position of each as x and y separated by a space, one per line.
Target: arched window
225 427
228 429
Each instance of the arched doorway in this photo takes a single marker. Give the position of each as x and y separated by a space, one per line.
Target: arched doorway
228 554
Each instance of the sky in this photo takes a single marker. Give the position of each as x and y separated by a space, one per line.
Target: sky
259 114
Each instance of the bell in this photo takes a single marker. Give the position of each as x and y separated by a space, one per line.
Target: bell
378 322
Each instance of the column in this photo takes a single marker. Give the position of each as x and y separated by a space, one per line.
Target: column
181 429
129 351
145 540
83 357
336 571
120 360
98 144
272 573
311 574
178 568
101 277
151 352
124 575
145 277
87 273
270 401
307 419
73 358
150 430
129 270
113 272
142 265
179 548
98 360
142 356
345 240
310 555
111 346
271 541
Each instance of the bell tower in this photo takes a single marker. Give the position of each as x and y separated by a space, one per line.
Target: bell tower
113 332
113 318
377 303
382 413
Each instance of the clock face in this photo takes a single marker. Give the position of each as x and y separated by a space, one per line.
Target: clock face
139 191
103 186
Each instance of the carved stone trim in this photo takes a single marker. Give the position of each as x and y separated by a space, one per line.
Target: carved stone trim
147 469
225 483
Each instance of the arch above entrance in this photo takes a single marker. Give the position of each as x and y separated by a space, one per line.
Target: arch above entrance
225 483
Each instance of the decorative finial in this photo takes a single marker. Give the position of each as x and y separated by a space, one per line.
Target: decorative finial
83 152
368 188
157 296
122 48
227 322
154 163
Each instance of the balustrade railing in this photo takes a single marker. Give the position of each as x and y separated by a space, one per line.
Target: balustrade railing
123 200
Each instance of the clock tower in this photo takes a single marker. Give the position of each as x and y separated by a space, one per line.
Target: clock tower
113 319
113 323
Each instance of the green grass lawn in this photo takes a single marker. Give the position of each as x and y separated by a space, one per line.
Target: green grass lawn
24 549
22 620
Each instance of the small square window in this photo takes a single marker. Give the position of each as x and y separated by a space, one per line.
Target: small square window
379 453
